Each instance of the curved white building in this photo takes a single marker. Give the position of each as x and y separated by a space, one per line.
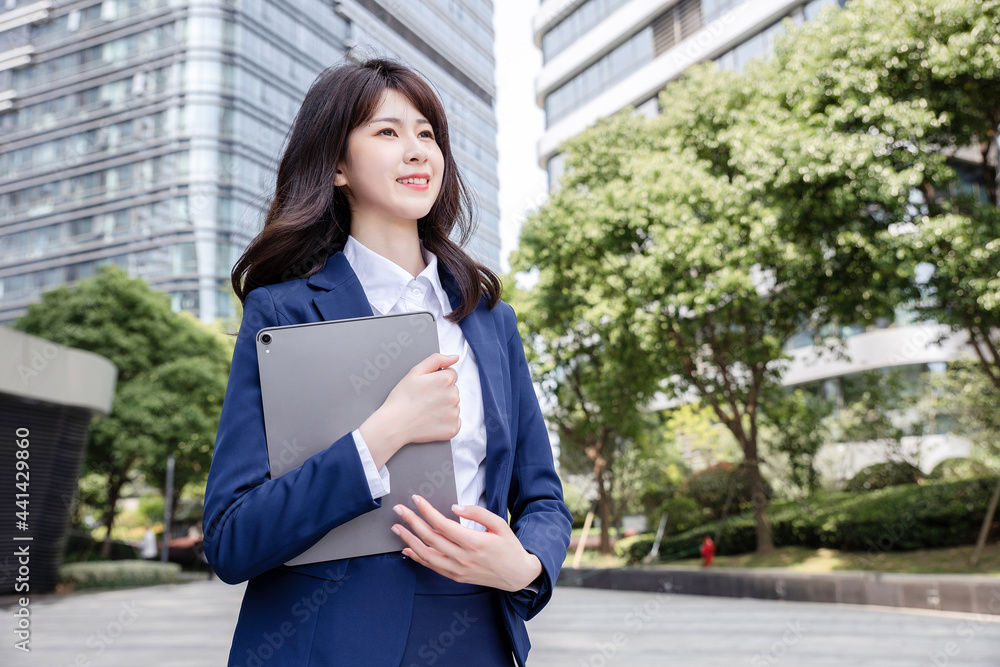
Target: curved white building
600 56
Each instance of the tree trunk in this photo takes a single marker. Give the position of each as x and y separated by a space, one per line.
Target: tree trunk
595 453
984 531
764 542
604 511
115 483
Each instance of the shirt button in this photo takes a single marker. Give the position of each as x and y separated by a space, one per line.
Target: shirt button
415 292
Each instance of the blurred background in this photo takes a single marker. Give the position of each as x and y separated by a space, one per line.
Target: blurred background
754 247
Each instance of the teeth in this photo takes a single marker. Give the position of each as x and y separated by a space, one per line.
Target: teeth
418 181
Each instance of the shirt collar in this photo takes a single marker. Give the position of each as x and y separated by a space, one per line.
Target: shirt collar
384 281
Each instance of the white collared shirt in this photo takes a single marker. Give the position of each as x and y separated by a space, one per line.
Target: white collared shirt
390 290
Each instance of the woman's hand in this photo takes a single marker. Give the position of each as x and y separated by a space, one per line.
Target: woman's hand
422 407
494 558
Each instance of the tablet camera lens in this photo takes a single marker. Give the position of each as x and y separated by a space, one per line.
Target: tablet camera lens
266 338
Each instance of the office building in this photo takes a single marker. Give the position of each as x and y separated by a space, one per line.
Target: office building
145 132
600 56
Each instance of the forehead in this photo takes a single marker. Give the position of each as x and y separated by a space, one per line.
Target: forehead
395 104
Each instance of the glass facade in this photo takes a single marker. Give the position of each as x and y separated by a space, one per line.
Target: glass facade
144 133
661 34
762 43
576 24
625 59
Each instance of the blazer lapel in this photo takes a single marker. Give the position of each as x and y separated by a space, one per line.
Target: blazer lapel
479 329
340 294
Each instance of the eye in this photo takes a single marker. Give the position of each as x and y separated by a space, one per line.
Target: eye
391 132
429 134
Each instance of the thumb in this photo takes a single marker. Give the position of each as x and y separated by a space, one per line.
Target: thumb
435 362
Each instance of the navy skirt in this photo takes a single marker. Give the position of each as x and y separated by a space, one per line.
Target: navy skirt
455 625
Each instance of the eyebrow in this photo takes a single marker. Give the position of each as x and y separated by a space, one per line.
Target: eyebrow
420 121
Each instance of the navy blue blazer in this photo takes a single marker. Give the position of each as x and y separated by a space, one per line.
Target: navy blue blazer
357 611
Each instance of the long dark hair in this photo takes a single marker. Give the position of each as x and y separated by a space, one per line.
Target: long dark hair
309 218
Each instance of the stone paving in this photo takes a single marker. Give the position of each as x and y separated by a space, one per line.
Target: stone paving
190 625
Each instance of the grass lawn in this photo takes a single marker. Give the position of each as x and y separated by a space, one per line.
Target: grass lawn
952 560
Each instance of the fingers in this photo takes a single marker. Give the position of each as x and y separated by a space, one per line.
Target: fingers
434 362
434 529
481 515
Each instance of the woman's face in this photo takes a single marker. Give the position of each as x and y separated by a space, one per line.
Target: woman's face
394 168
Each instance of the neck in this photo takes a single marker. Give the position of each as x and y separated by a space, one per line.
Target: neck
397 243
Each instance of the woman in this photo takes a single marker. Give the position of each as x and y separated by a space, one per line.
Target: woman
367 197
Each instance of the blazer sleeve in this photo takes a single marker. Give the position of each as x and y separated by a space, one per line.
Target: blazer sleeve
253 523
539 517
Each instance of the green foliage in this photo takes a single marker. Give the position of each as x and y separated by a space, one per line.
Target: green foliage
886 85
959 468
898 518
693 245
969 397
121 573
881 475
152 508
695 432
172 374
683 514
794 427
709 488
82 547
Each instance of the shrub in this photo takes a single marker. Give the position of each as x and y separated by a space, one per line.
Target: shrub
897 518
959 468
882 475
81 546
710 487
683 514
109 574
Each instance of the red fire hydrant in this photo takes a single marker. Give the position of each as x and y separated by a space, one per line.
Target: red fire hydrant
707 551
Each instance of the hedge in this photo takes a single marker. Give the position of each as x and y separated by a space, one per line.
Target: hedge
106 574
896 518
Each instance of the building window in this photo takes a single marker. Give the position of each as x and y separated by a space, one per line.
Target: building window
575 25
555 168
676 24
713 9
627 58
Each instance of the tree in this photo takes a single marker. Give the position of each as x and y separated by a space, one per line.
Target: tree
186 396
971 398
912 90
169 373
582 344
758 205
678 262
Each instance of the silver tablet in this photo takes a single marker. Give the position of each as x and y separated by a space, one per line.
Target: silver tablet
322 380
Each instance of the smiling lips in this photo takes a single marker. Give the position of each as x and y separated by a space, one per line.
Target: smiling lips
417 182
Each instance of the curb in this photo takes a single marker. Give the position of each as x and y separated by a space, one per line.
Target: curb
940 592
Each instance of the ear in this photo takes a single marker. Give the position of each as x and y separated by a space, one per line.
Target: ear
340 179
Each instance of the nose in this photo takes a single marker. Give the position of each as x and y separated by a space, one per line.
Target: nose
415 151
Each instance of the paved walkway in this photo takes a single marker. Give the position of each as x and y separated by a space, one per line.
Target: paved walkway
190 625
